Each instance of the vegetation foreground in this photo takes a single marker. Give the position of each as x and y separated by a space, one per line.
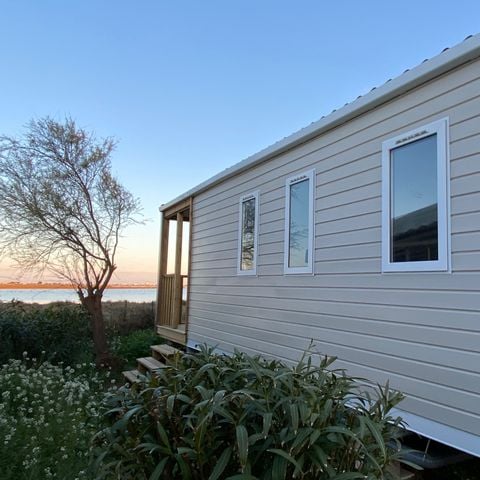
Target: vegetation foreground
205 416
239 417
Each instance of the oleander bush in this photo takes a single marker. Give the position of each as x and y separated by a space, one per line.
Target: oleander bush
217 417
48 415
60 330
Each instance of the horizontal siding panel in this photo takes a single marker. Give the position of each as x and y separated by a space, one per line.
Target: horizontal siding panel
222 255
466 242
269 248
436 282
351 252
466 128
458 300
401 314
465 203
349 210
466 262
341 343
368 220
466 222
218 230
466 184
270 237
225 238
432 334
346 184
213 247
465 165
270 258
364 235
356 194
464 147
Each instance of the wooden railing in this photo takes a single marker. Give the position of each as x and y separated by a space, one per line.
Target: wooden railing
171 301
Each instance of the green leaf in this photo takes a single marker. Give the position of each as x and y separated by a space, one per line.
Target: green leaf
163 435
267 422
286 456
170 404
184 467
279 468
156 474
242 444
148 447
221 464
122 423
377 435
294 416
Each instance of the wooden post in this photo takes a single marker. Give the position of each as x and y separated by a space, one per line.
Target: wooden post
162 270
177 298
190 235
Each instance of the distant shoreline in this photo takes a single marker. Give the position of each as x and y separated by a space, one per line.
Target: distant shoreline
61 286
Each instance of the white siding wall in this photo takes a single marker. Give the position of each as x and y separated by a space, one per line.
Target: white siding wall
419 330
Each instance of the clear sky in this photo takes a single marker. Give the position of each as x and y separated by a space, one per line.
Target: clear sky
190 87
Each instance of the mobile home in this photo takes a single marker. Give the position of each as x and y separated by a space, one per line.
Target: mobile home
361 232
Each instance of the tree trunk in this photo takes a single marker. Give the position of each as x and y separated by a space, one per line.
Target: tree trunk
93 304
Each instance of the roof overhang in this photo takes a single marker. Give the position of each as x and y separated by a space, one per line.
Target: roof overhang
448 60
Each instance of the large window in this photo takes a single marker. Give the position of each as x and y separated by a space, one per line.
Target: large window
299 223
247 235
415 200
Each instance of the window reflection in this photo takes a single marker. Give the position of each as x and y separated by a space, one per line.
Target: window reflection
414 210
247 259
299 224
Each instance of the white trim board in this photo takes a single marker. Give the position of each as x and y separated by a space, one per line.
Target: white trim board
459 439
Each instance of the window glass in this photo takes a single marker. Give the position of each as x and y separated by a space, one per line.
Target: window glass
414 201
247 252
299 224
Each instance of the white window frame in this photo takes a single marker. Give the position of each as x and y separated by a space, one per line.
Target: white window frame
244 198
441 129
310 175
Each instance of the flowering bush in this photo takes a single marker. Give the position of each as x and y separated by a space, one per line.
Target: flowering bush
47 417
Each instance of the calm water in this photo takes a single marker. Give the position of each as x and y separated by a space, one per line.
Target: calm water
60 295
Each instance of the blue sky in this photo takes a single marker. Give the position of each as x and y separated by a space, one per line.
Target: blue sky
190 87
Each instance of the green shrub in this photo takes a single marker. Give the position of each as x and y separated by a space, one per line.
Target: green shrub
216 417
47 418
59 332
136 344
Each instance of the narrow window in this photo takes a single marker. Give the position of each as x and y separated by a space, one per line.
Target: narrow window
248 231
415 200
299 223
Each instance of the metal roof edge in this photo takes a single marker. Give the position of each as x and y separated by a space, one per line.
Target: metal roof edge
447 60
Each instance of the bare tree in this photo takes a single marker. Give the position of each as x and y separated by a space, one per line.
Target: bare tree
62 210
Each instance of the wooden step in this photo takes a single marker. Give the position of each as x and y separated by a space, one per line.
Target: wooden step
176 335
149 364
164 351
133 376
